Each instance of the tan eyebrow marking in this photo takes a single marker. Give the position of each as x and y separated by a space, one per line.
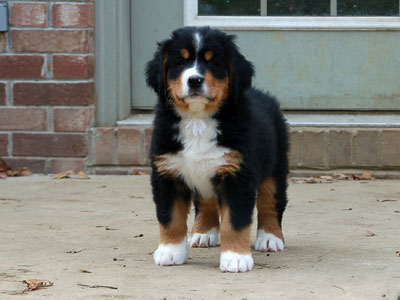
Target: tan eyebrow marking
209 54
185 53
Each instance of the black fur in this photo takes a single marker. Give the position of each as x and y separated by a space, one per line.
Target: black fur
250 122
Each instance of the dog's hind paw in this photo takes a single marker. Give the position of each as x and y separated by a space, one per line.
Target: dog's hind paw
268 242
204 240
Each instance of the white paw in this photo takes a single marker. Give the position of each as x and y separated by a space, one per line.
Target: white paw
171 254
268 242
235 262
204 240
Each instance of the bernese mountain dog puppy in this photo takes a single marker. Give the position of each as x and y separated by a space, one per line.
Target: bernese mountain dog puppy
219 143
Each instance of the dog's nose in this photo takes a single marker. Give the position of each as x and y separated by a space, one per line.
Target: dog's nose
195 81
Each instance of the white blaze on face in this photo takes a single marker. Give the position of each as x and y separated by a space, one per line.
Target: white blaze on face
185 79
193 71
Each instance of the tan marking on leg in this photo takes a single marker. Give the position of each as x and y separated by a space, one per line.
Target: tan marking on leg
233 161
231 240
163 166
267 216
176 230
207 216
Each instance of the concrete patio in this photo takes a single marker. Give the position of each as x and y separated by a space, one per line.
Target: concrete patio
94 238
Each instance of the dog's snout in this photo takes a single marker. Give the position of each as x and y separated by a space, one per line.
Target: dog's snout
195 81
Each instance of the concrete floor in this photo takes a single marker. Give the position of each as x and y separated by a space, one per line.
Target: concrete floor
60 230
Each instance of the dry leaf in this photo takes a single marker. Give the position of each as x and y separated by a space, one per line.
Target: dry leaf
325 177
139 173
312 180
63 175
364 176
83 175
20 172
34 284
340 176
369 234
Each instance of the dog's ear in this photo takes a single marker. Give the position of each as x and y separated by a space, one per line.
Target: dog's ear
241 70
155 69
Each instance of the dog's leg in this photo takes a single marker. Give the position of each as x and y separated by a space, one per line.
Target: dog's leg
205 232
269 233
237 204
235 245
173 204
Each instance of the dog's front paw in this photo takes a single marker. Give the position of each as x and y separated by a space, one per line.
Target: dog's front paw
235 262
268 242
204 240
171 254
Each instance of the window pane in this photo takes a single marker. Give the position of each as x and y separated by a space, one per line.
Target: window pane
229 8
368 7
298 8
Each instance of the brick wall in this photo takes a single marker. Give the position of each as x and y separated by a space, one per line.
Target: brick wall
46 85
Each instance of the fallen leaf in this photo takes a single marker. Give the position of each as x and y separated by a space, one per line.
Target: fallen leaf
34 284
325 177
340 176
369 234
20 172
71 174
83 175
364 176
312 180
63 175
139 173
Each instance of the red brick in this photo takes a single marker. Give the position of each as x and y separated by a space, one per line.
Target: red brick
391 148
110 171
72 119
28 14
52 41
104 146
3 42
2 93
34 165
366 148
339 153
313 149
32 119
21 66
73 66
295 148
3 144
62 165
73 15
130 146
148 134
62 145
53 93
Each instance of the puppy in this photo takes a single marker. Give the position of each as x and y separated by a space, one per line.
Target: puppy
219 143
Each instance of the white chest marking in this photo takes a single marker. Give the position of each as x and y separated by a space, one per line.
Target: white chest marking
200 158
